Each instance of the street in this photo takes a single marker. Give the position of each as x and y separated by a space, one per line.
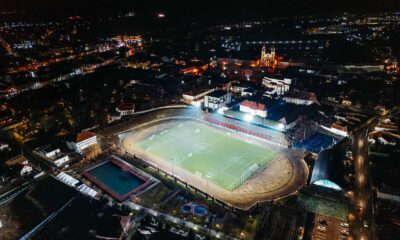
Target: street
361 204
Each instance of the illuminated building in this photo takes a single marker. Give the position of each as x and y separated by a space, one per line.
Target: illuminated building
194 70
217 99
82 141
328 170
276 85
125 109
53 154
196 96
129 39
3 146
253 108
268 59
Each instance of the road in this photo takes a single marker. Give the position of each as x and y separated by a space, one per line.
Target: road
361 201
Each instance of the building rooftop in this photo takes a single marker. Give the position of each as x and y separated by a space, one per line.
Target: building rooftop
217 93
84 135
48 148
196 92
126 107
253 105
389 190
329 169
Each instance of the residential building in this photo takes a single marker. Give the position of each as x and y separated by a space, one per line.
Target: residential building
126 109
82 141
4 146
276 85
196 96
302 98
253 108
217 99
53 154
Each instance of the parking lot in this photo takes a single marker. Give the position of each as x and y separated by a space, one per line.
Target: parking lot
326 228
285 224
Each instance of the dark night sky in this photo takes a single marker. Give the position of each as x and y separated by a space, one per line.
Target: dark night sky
181 10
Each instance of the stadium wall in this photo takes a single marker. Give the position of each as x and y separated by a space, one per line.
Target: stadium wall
155 115
247 128
256 120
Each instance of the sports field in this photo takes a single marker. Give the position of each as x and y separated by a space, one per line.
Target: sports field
210 153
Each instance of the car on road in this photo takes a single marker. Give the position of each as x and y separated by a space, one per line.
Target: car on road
342 236
321 228
365 224
344 224
359 208
323 222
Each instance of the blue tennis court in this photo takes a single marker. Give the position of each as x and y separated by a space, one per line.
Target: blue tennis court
316 142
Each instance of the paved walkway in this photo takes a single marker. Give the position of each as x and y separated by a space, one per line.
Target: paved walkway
179 221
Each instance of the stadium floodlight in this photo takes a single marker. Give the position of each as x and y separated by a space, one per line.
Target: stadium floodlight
281 126
248 117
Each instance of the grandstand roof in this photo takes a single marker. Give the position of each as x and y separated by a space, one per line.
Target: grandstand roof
329 169
287 112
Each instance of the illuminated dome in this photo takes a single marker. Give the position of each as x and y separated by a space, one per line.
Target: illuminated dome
328 170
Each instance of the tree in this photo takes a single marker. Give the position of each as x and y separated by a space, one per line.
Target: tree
167 226
160 225
191 235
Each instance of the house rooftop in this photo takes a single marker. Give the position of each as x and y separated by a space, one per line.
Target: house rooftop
217 93
196 92
84 136
253 105
126 107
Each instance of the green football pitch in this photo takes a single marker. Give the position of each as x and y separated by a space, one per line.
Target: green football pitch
208 152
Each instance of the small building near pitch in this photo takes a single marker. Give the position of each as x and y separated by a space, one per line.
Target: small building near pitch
81 141
53 154
125 109
217 99
253 108
196 96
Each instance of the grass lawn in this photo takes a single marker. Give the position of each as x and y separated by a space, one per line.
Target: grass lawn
208 152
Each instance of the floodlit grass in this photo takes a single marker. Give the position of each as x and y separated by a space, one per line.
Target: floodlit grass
208 152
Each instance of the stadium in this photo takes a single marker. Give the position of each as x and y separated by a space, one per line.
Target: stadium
232 162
